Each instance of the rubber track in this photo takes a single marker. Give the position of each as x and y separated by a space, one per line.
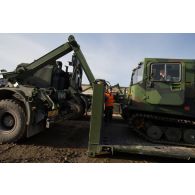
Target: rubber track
163 119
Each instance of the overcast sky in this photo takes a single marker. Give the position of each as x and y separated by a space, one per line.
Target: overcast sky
110 56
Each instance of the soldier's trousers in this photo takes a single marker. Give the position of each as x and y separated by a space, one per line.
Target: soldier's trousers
108 113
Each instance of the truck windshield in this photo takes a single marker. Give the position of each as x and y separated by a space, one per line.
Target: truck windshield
137 75
166 72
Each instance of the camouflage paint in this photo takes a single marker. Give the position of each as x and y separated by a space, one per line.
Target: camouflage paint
177 98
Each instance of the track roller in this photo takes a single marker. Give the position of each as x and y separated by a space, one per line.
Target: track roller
189 136
154 132
173 134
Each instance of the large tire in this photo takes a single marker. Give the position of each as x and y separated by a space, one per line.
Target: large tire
12 121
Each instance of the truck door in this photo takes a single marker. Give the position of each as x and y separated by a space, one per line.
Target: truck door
164 85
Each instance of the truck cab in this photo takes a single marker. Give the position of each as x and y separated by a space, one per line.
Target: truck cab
163 85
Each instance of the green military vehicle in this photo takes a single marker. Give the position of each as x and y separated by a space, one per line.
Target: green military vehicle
161 101
159 108
38 94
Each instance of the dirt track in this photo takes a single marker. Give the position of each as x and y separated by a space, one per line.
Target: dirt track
64 143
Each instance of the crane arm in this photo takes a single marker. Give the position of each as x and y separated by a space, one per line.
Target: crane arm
24 70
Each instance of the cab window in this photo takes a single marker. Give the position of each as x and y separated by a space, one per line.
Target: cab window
166 72
137 75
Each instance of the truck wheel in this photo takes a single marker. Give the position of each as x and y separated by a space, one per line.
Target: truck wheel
12 121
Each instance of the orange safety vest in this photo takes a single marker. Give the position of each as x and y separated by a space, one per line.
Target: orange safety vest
109 100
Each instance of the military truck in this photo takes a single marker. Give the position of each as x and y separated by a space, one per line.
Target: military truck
161 101
40 93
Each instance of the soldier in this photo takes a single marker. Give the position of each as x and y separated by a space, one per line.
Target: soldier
162 75
109 103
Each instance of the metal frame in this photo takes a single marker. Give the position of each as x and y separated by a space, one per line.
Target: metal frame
53 55
94 146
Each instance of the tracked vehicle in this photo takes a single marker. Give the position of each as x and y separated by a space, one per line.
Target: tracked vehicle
40 93
161 101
